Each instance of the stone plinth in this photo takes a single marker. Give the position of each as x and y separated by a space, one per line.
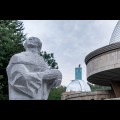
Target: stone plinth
96 95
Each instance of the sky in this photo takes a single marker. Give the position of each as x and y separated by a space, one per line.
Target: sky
70 41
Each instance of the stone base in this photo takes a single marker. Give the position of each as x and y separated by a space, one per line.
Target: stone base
113 99
96 95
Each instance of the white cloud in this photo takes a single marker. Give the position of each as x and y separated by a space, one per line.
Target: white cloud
70 40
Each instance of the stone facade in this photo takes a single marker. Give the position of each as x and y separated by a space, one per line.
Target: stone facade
95 95
110 60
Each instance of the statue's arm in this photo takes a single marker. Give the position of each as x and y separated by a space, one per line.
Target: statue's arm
52 77
23 80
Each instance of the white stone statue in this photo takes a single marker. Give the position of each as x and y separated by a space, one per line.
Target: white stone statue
29 77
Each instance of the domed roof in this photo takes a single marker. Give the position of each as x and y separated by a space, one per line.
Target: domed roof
78 85
116 34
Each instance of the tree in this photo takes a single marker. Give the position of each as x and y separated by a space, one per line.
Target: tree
11 37
49 58
98 87
55 93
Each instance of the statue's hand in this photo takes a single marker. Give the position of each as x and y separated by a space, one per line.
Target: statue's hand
58 82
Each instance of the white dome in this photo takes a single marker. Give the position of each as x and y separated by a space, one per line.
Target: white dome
116 34
78 85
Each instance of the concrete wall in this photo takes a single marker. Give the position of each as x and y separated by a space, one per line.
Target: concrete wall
96 95
103 62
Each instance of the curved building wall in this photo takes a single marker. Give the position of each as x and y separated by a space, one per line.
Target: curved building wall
103 66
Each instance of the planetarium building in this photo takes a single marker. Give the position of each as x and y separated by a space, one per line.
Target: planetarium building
103 64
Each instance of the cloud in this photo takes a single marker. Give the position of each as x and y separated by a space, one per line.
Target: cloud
70 40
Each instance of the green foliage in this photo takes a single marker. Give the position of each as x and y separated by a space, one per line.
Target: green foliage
98 87
3 97
55 93
49 58
11 37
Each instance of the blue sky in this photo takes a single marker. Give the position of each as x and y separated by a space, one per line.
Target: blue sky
70 41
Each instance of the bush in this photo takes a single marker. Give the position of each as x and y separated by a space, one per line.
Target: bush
4 97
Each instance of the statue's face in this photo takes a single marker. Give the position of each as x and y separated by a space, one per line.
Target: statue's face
33 42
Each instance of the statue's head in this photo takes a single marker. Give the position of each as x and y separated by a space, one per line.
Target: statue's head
33 42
